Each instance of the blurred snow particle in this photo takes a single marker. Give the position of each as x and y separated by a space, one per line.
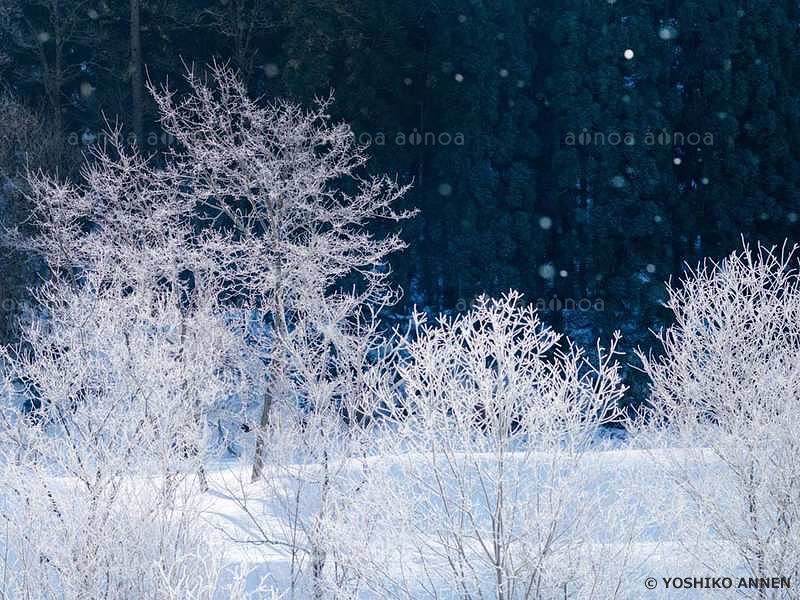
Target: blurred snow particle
459 77
271 70
545 222
547 271
628 54
618 181
445 189
87 89
651 268
668 33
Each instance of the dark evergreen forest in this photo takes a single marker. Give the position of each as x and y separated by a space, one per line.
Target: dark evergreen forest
580 151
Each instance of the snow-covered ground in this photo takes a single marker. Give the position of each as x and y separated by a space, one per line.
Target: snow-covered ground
637 527
599 524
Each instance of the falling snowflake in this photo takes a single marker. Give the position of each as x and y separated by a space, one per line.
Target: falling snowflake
547 271
618 181
668 32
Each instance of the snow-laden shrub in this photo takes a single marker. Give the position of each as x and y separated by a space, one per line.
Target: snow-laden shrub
118 372
304 513
484 489
727 387
317 448
98 490
118 539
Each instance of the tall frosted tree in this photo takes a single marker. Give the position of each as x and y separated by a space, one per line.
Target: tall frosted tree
285 191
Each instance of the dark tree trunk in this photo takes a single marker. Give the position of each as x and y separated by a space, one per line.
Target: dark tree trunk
137 83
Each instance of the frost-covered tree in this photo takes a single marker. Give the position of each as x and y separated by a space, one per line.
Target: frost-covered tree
96 471
727 383
286 190
262 205
268 201
126 225
485 484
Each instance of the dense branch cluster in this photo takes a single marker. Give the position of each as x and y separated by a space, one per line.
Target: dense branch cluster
728 383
